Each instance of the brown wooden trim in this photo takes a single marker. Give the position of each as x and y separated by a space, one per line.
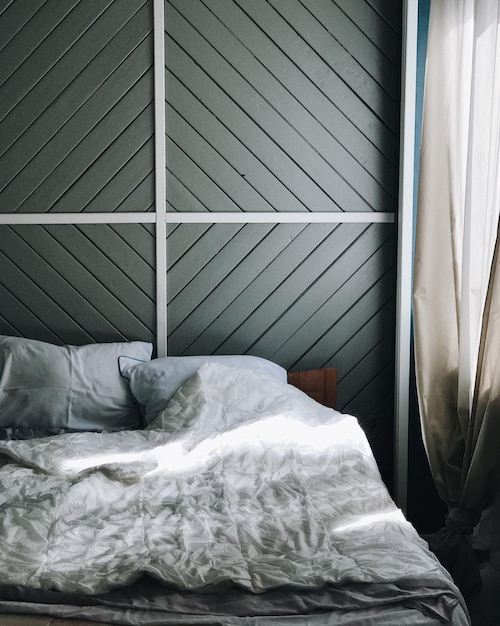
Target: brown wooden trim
319 384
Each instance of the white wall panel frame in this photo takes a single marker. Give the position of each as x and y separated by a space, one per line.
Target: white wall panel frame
160 177
78 218
405 249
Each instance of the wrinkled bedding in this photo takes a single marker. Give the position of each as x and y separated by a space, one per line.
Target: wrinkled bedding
241 483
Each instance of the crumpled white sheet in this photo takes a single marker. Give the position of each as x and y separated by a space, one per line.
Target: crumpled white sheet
242 479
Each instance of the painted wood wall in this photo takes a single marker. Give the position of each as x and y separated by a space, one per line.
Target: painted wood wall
279 106
76 135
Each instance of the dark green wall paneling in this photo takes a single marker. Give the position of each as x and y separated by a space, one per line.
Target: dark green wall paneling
77 284
302 295
76 135
287 105
271 106
282 105
76 113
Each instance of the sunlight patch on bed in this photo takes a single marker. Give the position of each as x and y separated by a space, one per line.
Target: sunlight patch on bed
107 459
394 516
279 431
196 449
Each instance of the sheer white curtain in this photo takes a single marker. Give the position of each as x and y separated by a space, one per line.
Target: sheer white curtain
457 269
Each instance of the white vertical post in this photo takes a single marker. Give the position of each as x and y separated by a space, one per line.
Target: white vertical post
405 249
160 176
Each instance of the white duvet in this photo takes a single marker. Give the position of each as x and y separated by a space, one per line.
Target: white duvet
242 479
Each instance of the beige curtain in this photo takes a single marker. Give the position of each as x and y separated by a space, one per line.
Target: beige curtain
457 271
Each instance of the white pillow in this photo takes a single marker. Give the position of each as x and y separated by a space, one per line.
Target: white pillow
77 387
154 383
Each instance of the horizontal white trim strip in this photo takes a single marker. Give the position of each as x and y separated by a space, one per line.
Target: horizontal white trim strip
278 218
199 218
77 218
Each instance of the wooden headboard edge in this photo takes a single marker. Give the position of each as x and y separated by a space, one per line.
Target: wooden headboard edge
319 384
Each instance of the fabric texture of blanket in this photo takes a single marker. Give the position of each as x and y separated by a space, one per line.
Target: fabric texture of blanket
242 480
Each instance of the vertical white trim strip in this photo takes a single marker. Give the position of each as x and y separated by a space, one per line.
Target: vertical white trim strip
405 245
160 176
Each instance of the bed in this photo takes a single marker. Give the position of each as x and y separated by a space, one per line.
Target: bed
196 490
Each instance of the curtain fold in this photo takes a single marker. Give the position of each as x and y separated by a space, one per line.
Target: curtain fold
457 269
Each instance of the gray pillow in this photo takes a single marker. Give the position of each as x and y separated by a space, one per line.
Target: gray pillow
44 386
154 383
